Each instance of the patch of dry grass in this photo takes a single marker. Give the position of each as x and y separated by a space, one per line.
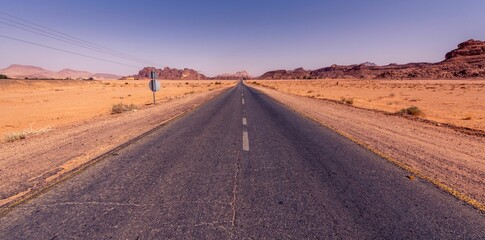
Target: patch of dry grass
349 101
121 108
413 111
15 136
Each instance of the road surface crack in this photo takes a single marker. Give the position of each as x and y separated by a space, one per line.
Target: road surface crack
234 194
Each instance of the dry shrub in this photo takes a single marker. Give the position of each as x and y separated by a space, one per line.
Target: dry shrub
121 108
413 111
15 136
349 101
12 137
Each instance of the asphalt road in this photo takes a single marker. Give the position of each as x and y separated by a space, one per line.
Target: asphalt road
243 166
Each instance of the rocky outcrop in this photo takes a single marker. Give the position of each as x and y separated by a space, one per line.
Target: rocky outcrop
298 73
169 73
467 61
236 76
470 48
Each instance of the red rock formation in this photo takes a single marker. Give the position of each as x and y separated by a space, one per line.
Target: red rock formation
470 48
236 76
467 61
170 73
298 73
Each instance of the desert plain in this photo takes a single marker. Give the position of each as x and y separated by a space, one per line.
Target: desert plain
456 102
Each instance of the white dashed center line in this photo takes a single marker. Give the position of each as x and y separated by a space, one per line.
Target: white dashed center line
245 141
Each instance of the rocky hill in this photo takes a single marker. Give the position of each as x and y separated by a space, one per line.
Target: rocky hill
33 72
467 61
298 73
25 71
168 73
73 74
235 76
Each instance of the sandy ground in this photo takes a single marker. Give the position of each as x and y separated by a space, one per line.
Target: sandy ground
450 159
39 160
39 104
456 102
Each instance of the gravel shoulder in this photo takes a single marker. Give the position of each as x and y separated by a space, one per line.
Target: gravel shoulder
451 160
29 165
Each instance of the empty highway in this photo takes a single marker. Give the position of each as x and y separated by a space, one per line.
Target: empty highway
243 166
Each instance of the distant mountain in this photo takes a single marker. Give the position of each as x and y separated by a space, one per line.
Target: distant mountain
73 74
33 72
168 73
298 73
467 61
23 71
235 76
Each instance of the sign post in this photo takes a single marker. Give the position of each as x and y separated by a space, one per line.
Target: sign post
154 85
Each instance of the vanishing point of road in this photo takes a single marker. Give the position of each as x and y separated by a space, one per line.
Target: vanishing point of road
243 166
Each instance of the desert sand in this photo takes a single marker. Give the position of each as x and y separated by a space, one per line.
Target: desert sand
457 102
41 105
448 158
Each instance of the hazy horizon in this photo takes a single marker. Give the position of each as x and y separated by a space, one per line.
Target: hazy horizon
226 37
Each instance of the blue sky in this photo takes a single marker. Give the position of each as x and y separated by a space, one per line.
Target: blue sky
227 36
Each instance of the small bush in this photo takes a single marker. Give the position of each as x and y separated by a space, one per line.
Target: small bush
121 108
413 111
12 137
15 136
348 101
218 83
3 76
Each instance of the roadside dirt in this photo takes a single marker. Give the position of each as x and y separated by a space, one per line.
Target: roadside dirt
452 160
30 164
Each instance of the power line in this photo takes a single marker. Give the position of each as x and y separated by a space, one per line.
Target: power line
59 39
66 51
60 36
64 39
58 33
